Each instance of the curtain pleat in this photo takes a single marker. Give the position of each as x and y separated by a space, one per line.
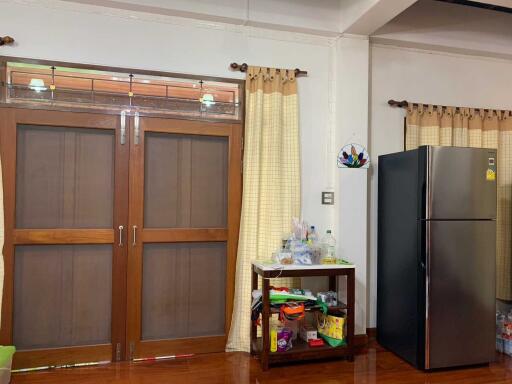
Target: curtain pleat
467 127
271 184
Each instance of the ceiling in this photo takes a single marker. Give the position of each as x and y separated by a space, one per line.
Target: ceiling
322 17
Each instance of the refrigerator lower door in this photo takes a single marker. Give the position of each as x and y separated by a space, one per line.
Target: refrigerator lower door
460 322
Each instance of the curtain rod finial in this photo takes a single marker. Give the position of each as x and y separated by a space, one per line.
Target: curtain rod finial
6 40
400 104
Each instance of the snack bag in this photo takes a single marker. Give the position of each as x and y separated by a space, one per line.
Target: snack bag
284 339
332 329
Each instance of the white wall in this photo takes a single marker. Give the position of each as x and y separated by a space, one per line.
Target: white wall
429 77
352 184
84 33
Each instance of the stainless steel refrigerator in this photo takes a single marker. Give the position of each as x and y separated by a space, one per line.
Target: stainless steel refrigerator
437 255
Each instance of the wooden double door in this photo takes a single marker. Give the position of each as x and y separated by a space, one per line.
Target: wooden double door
120 235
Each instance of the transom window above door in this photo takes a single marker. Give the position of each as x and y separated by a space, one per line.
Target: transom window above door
100 88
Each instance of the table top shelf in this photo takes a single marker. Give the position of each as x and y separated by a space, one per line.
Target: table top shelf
294 270
298 267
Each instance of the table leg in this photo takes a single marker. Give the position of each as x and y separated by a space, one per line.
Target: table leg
350 312
265 324
332 283
254 286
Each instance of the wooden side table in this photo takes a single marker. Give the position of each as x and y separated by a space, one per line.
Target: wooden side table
301 350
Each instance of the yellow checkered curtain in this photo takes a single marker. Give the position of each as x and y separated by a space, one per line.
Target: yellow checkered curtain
466 127
271 183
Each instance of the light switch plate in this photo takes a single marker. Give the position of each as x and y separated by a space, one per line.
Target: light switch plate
328 198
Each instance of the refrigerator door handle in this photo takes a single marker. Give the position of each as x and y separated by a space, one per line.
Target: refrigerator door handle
426 265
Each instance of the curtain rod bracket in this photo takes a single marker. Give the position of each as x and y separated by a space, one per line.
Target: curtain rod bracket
243 68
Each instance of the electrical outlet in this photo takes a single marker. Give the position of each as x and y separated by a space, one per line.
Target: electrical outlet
328 198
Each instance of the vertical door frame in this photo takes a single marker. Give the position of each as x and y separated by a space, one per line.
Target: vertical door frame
136 348
10 118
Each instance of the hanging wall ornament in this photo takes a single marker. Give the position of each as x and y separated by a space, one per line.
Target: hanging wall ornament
353 156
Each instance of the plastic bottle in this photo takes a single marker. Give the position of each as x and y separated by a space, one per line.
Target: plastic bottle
273 339
313 235
314 245
328 248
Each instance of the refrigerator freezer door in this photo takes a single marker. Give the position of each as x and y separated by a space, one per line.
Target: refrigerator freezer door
462 183
461 262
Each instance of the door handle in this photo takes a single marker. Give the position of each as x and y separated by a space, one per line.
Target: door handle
123 127
136 129
121 235
134 228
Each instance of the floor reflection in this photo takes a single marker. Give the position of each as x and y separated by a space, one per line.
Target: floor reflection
374 365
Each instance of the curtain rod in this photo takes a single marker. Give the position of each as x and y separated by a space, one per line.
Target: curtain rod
405 104
6 40
243 67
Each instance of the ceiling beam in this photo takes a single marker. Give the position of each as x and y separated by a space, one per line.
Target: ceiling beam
363 17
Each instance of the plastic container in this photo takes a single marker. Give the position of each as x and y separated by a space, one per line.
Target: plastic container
507 347
6 353
500 331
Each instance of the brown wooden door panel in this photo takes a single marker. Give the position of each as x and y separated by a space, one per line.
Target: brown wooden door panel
53 357
171 235
185 196
64 119
63 236
190 127
65 178
182 346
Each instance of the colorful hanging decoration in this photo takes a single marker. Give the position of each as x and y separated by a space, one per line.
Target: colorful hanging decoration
353 156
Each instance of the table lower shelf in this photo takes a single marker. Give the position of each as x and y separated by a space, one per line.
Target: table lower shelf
340 307
302 351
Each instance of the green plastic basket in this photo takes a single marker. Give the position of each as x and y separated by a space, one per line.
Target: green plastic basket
6 353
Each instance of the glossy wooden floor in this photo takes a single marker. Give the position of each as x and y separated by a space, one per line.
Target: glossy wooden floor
374 366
